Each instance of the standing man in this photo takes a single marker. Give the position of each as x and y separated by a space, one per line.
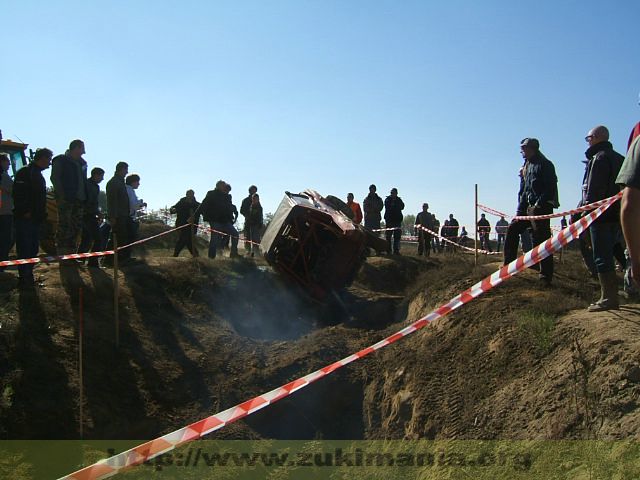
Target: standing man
599 182
132 183
484 229
629 179
68 176
245 210
185 211
91 238
118 209
355 208
372 209
453 230
393 206
424 219
217 209
254 223
436 244
629 288
539 195
30 211
6 209
501 230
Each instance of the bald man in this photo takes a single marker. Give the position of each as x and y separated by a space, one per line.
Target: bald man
599 182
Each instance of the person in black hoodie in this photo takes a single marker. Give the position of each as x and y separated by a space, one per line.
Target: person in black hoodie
599 182
30 211
393 206
372 205
217 209
245 210
185 211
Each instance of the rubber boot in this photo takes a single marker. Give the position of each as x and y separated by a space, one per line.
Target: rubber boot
609 293
233 253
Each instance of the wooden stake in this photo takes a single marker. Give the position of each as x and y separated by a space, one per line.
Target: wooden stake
475 226
116 290
81 375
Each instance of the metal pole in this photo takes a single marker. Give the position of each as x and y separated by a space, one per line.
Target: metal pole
475 225
81 341
116 290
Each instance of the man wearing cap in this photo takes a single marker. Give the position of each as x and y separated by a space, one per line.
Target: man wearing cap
372 209
393 206
601 170
539 195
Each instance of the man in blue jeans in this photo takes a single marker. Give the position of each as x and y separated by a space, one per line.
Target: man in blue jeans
538 196
30 211
599 182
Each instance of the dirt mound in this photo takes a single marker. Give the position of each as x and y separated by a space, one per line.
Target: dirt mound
197 336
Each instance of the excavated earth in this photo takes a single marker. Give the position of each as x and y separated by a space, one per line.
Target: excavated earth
197 336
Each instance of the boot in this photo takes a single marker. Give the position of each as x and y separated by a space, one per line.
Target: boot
234 252
609 293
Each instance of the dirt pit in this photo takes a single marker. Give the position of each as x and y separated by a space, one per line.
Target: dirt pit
196 336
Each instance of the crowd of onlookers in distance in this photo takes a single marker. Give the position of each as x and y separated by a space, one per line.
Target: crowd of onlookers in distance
82 226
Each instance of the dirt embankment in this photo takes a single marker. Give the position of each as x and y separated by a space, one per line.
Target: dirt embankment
198 336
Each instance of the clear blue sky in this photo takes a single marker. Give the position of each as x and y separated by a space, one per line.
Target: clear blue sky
429 97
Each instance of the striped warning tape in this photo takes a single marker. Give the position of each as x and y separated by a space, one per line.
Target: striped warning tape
455 244
136 456
76 256
584 208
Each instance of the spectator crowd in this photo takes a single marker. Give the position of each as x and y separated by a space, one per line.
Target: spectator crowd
82 226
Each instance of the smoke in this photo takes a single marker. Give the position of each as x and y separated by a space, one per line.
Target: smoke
259 305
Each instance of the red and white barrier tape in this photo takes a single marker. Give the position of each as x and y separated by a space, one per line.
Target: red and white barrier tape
242 239
76 256
151 449
445 239
585 208
493 212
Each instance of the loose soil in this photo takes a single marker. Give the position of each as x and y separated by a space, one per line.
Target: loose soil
197 336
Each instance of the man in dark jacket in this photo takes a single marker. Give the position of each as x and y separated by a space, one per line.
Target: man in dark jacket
484 229
538 196
91 237
30 211
118 209
372 205
424 219
393 206
68 176
245 208
218 210
501 230
599 182
185 211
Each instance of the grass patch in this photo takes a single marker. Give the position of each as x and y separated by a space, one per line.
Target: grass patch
535 328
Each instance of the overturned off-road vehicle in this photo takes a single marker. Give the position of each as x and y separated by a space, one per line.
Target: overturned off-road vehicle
312 241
